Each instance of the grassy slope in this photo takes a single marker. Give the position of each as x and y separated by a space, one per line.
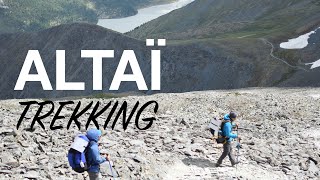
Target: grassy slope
237 28
233 18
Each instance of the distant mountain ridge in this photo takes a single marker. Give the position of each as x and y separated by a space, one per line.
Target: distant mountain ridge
245 55
184 67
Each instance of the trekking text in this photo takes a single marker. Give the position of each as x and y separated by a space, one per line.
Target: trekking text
46 108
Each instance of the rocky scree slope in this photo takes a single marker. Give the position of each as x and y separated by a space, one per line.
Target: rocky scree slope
279 128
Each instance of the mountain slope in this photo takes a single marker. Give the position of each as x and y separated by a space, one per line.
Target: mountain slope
195 66
32 15
246 30
214 18
123 8
184 68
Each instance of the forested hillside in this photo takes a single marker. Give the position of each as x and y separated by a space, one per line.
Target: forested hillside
32 15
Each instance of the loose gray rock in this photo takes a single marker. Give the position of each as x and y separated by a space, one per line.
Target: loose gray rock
177 146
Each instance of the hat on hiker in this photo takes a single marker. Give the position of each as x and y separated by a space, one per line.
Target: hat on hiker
232 115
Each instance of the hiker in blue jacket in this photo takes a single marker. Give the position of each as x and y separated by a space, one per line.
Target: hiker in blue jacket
94 158
227 133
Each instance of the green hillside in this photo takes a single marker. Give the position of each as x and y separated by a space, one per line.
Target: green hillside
123 8
247 30
31 15
234 18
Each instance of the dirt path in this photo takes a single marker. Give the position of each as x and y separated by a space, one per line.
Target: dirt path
199 169
279 59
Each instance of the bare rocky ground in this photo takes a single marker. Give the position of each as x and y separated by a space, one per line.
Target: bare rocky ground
280 129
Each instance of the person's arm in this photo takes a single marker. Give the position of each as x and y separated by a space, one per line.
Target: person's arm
235 125
107 156
97 159
228 129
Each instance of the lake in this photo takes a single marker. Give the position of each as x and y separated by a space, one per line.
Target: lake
144 15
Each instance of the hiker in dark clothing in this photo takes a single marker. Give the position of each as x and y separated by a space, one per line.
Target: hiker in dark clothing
227 133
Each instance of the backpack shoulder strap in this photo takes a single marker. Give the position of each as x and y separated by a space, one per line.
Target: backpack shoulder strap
223 123
87 154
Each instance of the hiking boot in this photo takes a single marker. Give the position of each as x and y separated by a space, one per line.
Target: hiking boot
235 163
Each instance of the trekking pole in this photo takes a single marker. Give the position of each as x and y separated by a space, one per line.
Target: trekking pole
109 161
111 170
238 148
238 145
238 152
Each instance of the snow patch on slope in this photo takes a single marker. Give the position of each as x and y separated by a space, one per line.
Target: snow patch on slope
299 42
314 64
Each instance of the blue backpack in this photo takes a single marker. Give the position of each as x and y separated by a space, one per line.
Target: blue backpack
77 154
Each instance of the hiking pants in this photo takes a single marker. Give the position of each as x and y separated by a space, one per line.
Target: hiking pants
227 151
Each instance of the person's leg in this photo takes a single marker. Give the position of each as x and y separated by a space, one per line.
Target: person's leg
231 156
93 176
226 151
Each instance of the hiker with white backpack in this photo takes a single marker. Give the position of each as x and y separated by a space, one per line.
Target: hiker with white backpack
226 133
84 154
222 133
93 154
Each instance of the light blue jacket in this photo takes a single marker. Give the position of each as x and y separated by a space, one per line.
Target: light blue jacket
227 129
93 157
